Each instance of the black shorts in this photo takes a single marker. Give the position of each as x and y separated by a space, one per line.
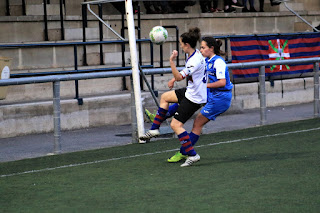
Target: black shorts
186 107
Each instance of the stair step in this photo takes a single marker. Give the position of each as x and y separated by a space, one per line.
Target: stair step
15 2
37 9
294 6
16 10
76 33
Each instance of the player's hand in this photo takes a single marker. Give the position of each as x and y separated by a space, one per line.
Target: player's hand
174 55
171 83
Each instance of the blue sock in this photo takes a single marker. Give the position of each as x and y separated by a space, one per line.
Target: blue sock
193 138
172 109
186 143
160 117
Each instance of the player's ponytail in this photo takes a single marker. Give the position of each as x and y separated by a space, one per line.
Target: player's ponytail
215 43
191 37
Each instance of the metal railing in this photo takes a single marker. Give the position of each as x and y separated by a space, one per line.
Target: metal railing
58 78
75 56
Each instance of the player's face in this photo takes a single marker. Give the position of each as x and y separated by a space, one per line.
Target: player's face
205 50
184 46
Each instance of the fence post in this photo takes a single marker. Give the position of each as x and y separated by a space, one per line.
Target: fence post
61 19
134 125
7 8
262 93
46 36
316 89
56 117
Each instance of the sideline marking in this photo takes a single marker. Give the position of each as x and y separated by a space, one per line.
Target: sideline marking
152 153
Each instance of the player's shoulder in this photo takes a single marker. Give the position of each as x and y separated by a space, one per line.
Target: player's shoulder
219 60
196 58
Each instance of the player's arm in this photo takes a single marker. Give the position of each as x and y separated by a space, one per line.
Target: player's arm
176 74
220 73
171 83
220 83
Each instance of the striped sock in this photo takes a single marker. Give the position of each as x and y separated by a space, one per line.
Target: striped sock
186 144
160 117
193 138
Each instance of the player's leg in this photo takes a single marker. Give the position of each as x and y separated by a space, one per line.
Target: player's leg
172 109
185 110
183 136
166 98
194 135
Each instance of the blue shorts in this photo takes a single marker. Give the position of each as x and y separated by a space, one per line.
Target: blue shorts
217 104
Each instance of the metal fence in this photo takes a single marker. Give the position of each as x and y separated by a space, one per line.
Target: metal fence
56 79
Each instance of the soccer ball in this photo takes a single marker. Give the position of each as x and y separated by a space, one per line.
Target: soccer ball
158 35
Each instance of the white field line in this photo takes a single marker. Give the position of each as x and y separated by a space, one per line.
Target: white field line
152 153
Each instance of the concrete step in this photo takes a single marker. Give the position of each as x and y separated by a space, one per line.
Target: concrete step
76 34
16 10
37 9
21 119
15 2
301 26
292 5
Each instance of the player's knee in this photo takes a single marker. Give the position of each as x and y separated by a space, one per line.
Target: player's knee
175 124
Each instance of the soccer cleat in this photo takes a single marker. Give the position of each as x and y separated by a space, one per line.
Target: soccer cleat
190 160
150 115
177 157
150 134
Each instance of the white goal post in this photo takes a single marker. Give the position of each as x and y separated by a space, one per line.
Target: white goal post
133 56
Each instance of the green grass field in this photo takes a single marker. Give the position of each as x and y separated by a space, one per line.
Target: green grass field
265 169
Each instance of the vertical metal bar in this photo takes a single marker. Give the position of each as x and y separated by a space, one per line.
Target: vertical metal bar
7 8
161 56
84 25
61 20
134 125
151 59
46 37
177 44
139 34
24 8
226 49
139 43
100 34
123 49
56 117
75 51
316 89
262 93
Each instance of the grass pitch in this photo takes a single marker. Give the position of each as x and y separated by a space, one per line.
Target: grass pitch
272 168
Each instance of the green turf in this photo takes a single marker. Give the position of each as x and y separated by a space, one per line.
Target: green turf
263 174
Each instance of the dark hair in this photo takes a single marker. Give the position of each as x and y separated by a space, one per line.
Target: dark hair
191 37
215 43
